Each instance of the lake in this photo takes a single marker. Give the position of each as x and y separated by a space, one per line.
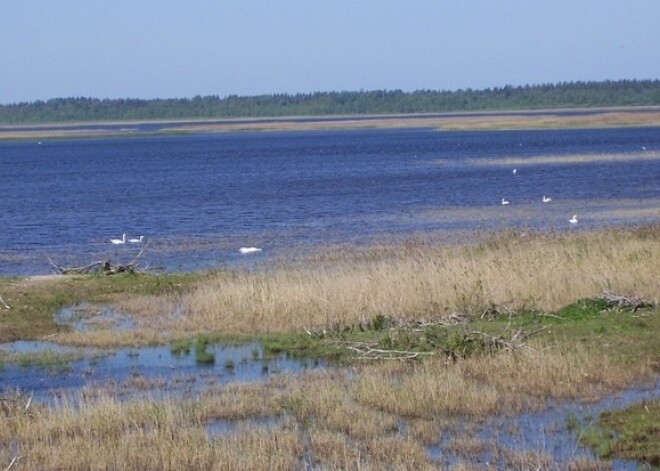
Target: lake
198 198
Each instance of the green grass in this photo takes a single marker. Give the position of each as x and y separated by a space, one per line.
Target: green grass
201 354
622 333
632 434
180 347
33 303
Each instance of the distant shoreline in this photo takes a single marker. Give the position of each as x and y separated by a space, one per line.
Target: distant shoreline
454 121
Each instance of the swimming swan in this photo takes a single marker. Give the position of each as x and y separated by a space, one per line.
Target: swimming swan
136 241
119 241
504 201
573 220
249 249
547 199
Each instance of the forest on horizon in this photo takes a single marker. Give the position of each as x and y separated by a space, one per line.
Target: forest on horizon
617 93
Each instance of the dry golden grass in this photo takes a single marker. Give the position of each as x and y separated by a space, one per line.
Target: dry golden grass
552 121
423 280
326 418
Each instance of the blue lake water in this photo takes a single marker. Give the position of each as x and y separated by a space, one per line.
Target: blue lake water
198 198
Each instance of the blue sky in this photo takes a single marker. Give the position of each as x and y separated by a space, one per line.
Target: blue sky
171 49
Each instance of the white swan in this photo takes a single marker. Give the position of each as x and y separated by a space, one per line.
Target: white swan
514 171
546 199
119 241
136 241
249 249
573 220
504 201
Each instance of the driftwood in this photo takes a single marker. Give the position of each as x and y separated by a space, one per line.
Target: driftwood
619 301
4 304
512 344
502 342
105 266
366 351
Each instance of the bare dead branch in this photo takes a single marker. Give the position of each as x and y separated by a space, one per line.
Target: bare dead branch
620 301
14 460
4 304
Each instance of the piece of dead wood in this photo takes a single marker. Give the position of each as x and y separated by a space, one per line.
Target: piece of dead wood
4 304
367 351
620 301
105 266
74 270
14 460
514 343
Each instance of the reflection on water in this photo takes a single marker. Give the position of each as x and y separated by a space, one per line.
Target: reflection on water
131 371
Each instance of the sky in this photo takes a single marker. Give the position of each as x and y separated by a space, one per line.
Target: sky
179 49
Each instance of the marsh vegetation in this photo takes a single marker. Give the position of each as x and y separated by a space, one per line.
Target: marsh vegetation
435 346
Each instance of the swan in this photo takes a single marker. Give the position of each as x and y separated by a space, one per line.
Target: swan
573 220
546 199
249 249
504 201
136 241
514 171
119 241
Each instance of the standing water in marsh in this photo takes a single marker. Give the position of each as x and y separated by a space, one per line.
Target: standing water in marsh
46 370
197 199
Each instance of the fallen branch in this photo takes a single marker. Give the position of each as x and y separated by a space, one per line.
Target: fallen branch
4 304
619 301
515 343
368 353
73 270
106 266
14 460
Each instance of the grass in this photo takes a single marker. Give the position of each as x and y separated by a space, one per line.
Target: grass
33 301
447 302
632 434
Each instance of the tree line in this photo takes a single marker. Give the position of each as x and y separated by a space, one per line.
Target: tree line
527 97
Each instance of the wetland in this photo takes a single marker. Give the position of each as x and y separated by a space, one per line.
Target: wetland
397 317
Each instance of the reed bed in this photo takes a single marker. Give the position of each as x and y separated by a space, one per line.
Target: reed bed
426 280
373 415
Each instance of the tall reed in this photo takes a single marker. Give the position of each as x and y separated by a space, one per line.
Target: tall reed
427 280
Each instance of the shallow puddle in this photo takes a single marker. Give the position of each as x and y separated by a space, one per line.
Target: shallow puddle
554 432
85 317
153 371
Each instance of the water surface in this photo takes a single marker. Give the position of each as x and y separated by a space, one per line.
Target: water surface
198 199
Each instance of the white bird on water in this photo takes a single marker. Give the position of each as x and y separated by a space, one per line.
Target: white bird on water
504 201
136 241
573 220
514 171
546 199
119 241
249 249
